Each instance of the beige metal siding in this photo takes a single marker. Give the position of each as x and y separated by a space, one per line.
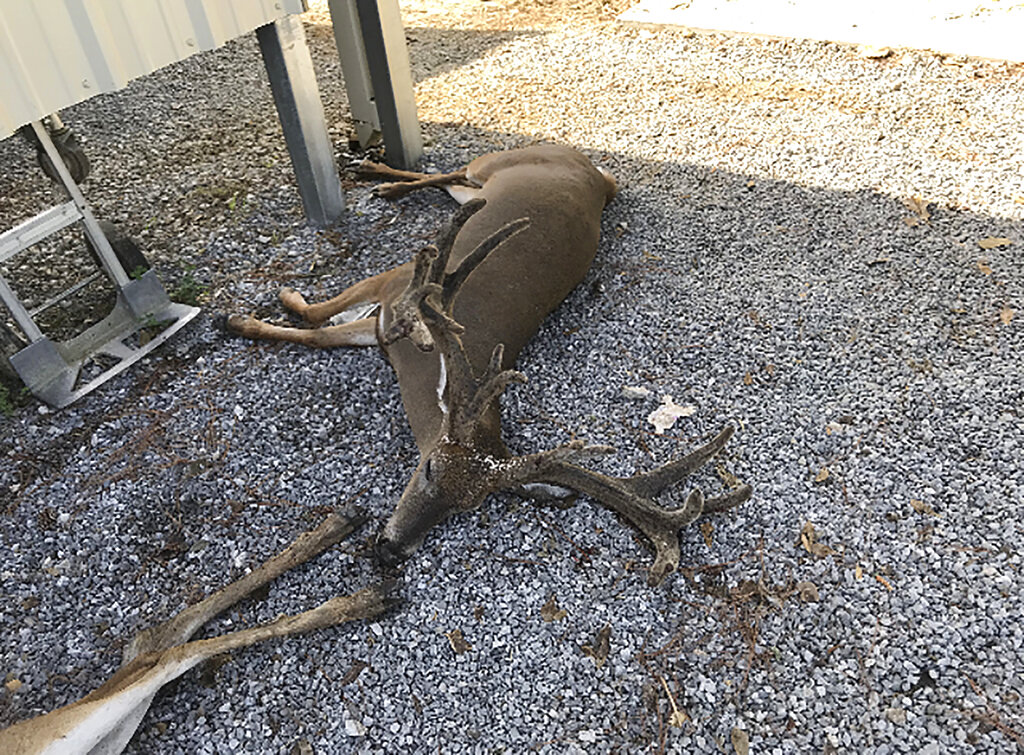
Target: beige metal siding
54 53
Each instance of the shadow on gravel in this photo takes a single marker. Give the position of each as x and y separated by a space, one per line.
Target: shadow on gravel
435 52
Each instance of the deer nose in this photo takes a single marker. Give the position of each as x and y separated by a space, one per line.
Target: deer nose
389 554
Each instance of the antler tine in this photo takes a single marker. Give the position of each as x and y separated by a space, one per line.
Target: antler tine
412 311
446 237
652 483
456 278
633 497
489 387
730 500
407 310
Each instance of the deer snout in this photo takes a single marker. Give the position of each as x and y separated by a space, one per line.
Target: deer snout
407 527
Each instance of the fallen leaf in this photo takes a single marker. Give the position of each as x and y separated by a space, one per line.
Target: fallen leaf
354 671
858 572
885 582
823 474
983 266
740 741
808 591
551 612
602 644
678 717
991 242
478 613
706 528
1019 199
666 415
897 715
1006 315
458 642
748 379
746 589
808 539
918 205
353 728
922 508
634 392
12 685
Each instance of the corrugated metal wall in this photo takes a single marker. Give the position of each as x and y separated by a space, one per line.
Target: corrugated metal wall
54 53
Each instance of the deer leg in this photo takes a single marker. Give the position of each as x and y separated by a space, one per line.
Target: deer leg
405 182
635 498
359 333
366 291
97 722
180 628
106 719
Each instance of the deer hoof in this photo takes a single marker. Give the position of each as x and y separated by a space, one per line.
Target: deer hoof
238 324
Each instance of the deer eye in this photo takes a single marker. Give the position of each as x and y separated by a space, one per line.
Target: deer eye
428 470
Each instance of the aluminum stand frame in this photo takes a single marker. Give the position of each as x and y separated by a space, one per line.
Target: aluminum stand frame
51 370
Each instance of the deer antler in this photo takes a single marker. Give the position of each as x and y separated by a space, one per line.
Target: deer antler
635 498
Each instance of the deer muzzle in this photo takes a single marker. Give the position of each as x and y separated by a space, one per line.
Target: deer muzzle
449 479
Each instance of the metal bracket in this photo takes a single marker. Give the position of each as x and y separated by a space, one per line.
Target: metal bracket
378 79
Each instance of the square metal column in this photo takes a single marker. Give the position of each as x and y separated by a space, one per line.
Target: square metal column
375 62
297 97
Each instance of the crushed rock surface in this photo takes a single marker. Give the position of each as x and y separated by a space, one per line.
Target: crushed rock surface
794 251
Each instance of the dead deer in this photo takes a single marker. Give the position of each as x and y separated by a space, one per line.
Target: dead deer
452 323
104 721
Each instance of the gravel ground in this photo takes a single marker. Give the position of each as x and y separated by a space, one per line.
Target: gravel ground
795 251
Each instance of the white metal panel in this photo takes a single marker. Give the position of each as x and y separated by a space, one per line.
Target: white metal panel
54 53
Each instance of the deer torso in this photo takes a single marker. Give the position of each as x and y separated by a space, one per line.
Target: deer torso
507 297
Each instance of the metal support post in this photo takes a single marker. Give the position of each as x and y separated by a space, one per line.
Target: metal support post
358 87
387 60
297 97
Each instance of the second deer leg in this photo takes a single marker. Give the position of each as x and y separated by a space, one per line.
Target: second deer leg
405 181
365 291
359 333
